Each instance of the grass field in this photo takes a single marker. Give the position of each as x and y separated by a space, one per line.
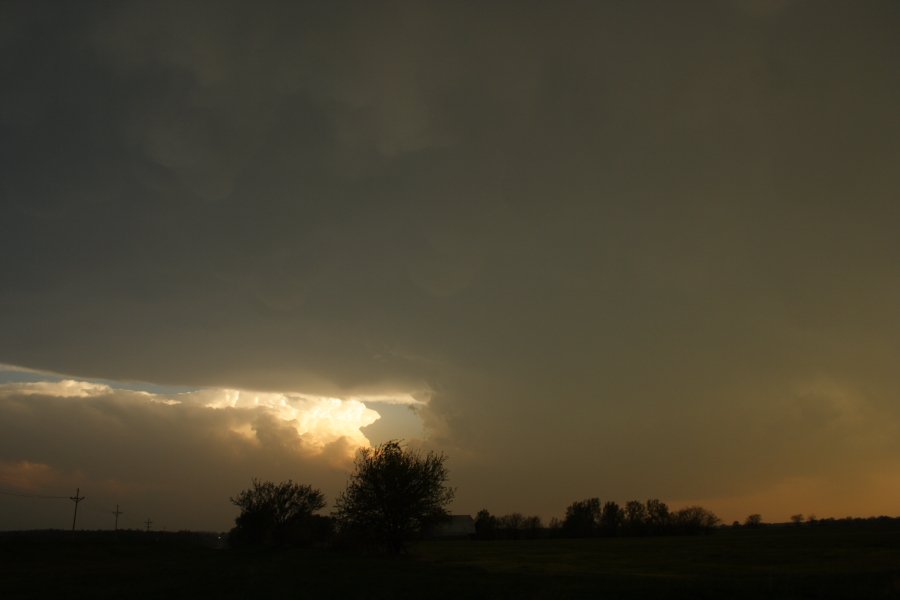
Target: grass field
826 562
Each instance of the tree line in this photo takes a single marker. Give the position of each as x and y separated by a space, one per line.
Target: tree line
396 494
591 518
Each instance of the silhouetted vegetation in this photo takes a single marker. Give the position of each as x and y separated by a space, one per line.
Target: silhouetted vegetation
610 519
513 526
588 518
582 518
635 518
658 518
634 550
393 494
753 521
693 519
278 514
486 525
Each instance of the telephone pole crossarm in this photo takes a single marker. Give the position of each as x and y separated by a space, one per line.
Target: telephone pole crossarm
117 512
76 499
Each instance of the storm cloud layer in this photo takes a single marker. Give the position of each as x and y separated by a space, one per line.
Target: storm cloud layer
176 458
618 248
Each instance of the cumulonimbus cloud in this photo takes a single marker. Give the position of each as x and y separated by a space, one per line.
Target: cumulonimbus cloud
130 446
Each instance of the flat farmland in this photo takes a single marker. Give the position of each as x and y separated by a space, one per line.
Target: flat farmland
806 562
824 562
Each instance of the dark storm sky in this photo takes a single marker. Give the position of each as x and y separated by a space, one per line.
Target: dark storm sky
623 249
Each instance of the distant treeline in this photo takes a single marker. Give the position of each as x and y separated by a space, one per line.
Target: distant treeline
591 518
755 521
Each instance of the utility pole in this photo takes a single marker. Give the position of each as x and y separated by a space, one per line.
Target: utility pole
117 512
148 523
76 499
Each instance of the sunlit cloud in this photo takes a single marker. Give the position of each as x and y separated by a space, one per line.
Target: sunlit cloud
67 388
401 399
319 421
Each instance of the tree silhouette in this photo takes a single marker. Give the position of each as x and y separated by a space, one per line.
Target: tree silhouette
582 517
486 525
753 521
276 513
511 525
658 517
533 526
611 519
589 518
694 519
393 493
635 517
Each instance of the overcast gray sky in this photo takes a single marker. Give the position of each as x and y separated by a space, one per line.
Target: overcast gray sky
614 249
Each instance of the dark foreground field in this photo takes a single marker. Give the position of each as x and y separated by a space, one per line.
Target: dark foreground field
824 562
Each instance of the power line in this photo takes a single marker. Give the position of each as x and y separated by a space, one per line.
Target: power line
76 499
